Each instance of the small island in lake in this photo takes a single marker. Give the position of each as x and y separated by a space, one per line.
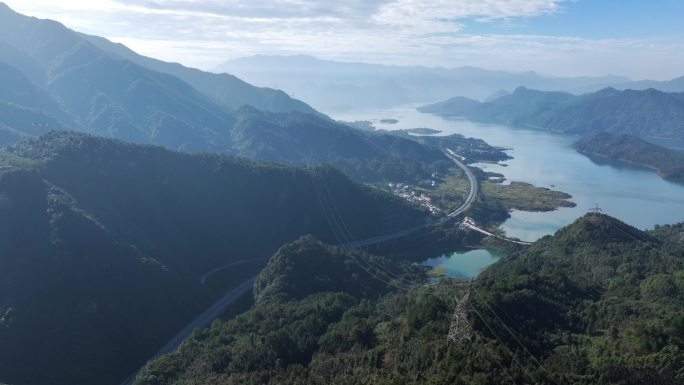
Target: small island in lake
421 131
668 163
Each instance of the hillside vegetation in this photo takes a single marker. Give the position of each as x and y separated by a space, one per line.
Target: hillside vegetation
597 303
645 113
625 148
103 244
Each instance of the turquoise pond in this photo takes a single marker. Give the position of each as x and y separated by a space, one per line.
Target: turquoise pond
464 264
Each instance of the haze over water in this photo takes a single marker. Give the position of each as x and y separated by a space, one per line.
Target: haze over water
636 196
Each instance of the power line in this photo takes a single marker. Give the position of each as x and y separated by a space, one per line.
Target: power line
513 357
520 343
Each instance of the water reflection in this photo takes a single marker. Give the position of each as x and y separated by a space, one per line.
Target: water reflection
546 159
466 264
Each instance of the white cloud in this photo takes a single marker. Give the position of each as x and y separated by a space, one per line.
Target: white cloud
203 33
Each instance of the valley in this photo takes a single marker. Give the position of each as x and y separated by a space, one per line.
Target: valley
337 193
547 159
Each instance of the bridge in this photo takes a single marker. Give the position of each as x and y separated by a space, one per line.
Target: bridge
470 224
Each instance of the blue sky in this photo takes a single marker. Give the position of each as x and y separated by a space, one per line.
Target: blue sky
638 39
599 19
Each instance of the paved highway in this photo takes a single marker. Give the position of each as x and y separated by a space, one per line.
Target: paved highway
202 320
203 280
217 308
474 187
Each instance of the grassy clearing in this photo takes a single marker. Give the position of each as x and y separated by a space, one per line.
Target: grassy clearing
527 197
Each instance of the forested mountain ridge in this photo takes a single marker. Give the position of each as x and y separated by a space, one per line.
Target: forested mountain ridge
45 49
647 113
597 303
625 148
223 88
110 239
306 139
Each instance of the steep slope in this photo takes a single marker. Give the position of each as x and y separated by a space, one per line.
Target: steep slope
111 239
119 99
78 303
223 88
25 109
15 88
287 274
18 123
598 303
648 113
34 45
519 107
303 139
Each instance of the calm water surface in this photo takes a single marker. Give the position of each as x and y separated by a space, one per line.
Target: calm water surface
637 196
466 264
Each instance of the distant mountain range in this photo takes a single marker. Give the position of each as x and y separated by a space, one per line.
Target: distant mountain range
56 79
103 243
90 84
648 114
334 86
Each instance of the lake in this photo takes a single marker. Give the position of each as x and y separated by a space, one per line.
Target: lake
466 264
634 195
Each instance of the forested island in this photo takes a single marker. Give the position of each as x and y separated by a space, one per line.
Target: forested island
625 148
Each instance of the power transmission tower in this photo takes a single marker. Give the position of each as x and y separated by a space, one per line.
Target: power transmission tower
594 212
460 329
596 209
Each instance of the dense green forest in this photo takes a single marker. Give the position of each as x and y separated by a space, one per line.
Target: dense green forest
103 244
625 148
647 113
597 303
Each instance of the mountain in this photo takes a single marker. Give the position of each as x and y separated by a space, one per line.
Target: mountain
674 85
306 139
649 114
624 148
456 106
286 276
496 95
45 49
598 303
333 85
103 244
225 89
58 79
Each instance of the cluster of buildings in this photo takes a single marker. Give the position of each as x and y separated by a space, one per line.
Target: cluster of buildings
405 191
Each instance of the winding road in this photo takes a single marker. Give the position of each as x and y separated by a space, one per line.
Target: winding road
200 321
470 199
203 280
231 296
474 186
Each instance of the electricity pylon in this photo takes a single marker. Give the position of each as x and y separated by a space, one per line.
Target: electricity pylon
460 329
